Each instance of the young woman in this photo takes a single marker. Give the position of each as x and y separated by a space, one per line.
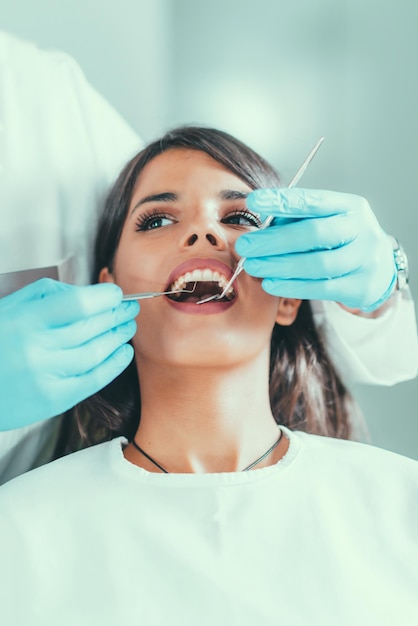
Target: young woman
208 509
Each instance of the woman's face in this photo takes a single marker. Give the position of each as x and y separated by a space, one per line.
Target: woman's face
186 212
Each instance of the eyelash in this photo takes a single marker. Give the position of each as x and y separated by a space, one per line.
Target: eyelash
145 220
255 221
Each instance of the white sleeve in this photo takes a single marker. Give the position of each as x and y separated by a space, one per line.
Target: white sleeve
376 351
61 137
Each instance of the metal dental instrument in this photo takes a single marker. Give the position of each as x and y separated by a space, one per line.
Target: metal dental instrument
266 223
154 294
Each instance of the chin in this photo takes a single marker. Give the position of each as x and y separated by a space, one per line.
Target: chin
224 357
200 345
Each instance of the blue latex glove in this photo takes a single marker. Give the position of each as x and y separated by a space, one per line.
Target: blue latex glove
322 245
58 345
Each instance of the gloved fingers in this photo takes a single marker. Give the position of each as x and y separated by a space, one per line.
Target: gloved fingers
317 265
75 303
299 236
54 303
83 358
84 385
301 203
337 289
34 291
85 330
325 289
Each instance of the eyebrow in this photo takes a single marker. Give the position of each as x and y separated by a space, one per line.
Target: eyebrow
169 196
166 196
232 194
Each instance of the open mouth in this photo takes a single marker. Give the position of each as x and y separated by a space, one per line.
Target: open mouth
202 284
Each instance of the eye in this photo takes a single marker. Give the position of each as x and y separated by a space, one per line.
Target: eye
152 220
242 217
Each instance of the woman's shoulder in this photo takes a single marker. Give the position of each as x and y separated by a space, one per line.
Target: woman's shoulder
357 481
76 473
319 444
363 461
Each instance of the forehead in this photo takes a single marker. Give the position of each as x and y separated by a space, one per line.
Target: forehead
178 168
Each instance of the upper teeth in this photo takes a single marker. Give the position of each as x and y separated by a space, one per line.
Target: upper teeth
196 276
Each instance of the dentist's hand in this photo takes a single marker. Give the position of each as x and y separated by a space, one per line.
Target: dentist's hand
58 345
322 245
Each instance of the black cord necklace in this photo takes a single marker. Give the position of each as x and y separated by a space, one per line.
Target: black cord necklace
261 458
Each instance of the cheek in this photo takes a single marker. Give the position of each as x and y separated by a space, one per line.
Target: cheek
263 306
135 271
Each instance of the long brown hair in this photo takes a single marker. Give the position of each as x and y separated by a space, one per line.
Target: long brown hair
305 390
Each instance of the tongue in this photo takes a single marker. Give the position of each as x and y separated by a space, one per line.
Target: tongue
201 290
194 299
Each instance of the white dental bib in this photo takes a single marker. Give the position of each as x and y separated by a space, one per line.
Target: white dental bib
327 536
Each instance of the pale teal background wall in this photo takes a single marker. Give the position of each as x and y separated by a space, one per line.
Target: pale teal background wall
279 75
122 46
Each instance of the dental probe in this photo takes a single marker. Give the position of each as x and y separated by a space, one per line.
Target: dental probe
154 294
267 222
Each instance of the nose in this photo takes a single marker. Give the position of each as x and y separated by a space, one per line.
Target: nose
212 238
205 235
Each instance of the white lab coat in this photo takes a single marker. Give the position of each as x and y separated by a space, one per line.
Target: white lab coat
61 146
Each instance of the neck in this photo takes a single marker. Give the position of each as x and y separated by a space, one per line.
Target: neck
205 420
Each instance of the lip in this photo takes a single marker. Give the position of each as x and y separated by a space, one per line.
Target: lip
209 308
199 264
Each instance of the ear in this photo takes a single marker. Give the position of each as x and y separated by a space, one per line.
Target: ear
287 311
106 276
